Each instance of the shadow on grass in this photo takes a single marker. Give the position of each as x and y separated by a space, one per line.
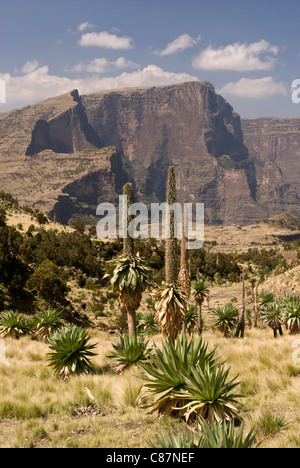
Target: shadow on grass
103 370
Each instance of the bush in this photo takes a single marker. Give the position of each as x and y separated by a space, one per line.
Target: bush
185 380
47 322
49 282
219 435
148 325
128 351
71 351
41 218
65 249
225 318
11 324
271 424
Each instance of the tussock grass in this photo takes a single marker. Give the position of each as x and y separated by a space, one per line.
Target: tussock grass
270 383
37 408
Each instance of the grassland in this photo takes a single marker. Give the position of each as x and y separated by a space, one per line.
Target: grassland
37 409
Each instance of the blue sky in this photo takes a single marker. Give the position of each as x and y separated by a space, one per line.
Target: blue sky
250 51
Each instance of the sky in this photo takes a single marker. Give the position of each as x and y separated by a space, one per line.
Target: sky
249 50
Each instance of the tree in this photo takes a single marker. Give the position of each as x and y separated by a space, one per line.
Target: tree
200 292
272 315
240 330
184 277
265 298
225 318
256 303
131 275
170 302
170 253
130 279
252 282
290 305
79 226
128 241
49 282
170 310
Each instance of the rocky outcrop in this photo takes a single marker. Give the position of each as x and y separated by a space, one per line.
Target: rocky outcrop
66 154
83 195
190 127
274 145
68 132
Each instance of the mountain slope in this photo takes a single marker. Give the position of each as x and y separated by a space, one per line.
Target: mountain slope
67 154
274 145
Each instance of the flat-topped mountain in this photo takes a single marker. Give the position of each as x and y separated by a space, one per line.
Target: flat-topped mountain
67 154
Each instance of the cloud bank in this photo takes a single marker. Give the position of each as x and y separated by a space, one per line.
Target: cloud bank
36 83
106 40
261 88
238 57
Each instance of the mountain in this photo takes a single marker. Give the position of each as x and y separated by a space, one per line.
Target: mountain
67 154
274 144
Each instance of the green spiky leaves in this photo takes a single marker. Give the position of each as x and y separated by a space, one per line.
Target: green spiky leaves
220 435
131 275
71 351
14 325
186 380
128 351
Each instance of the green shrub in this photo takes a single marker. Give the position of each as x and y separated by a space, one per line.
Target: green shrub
184 379
128 351
49 282
14 325
225 318
47 322
219 435
147 324
271 423
71 351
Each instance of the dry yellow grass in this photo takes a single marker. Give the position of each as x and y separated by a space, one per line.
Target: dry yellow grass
37 409
231 239
287 282
16 217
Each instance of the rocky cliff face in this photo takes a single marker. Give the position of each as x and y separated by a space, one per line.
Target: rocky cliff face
274 145
188 126
66 154
49 148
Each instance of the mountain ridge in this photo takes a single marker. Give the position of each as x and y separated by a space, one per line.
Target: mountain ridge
67 154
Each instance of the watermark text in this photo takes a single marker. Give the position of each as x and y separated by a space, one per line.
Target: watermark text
162 222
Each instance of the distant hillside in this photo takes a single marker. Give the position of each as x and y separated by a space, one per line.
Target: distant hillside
274 145
285 221
67 154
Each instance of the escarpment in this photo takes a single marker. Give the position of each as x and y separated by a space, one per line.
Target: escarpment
67 154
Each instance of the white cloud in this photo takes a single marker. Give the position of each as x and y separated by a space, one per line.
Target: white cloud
238 57
39 84
261 88
151 75
84 26
106 40
102 65
122 62
30 67
179 44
